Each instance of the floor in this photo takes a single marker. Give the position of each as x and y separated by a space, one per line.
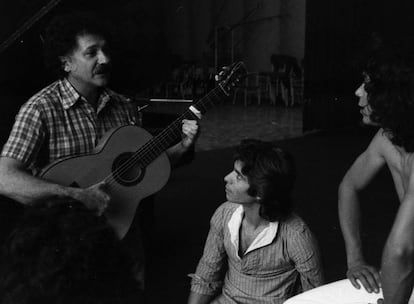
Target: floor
227 124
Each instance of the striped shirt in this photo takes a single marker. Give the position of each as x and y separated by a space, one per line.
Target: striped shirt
268 273
58 122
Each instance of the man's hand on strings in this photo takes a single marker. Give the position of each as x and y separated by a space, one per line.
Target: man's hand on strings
190 131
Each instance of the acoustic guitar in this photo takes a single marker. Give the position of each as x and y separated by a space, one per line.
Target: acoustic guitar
132 162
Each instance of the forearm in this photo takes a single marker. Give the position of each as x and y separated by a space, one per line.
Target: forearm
305 254
27 189
177 152
198 298
349 219
397 274
311 273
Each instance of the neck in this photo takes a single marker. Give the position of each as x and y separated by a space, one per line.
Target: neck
90 93
252 217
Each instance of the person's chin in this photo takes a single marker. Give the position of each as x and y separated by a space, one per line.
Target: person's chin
102 80
367 121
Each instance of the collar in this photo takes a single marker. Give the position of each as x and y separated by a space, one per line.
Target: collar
71 96
265 237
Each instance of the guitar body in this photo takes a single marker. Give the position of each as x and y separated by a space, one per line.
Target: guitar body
134 148
128 188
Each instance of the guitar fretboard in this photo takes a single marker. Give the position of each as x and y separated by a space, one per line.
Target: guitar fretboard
158 144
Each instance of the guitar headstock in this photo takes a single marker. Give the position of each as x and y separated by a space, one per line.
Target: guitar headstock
230 76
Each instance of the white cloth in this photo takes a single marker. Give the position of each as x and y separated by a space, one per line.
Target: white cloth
264 238
339 292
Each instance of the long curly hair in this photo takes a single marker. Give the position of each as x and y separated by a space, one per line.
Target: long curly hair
391 95
61 36
271 175
64 254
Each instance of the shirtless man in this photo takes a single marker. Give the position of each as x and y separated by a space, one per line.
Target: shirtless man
386 98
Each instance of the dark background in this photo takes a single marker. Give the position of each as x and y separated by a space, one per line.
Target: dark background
337 32
336 35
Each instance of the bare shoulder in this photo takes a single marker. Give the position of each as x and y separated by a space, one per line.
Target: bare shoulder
380 143
381 149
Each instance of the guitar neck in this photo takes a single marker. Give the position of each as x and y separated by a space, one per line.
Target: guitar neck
158 144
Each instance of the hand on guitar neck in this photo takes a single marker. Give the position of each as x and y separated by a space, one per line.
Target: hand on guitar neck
132 162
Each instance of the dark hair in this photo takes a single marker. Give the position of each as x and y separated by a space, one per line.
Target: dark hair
391 95
271 175
62 33
64 254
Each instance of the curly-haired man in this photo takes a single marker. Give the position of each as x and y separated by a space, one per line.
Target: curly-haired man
70 116
386 98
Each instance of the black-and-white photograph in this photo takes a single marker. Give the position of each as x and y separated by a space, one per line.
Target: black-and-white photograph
207 151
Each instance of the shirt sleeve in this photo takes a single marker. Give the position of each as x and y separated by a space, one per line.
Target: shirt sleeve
304 252
27 135
209 273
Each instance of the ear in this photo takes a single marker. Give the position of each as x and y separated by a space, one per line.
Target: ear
65 63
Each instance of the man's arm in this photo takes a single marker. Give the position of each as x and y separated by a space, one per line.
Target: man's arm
358 176
304 252
18 184
190 132
397 269
206 282
198 298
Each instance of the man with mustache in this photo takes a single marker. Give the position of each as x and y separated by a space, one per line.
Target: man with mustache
70 116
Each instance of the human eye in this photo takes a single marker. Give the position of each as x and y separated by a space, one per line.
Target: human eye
240 177
90 53
366 79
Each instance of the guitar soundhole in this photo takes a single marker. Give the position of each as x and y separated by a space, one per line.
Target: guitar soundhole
124 172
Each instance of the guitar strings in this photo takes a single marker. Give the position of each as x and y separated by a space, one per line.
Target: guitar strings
147 147
143 151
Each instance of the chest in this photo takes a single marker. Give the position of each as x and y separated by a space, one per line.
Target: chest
78 130
246 238
267 260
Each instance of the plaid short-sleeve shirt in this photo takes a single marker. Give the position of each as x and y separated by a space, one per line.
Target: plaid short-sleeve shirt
57 122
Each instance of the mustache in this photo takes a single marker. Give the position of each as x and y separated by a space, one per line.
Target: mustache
102 69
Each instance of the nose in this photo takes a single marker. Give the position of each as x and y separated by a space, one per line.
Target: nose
103 57
359 91
362 95
227 178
